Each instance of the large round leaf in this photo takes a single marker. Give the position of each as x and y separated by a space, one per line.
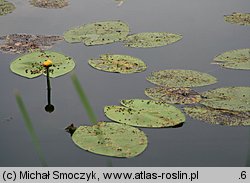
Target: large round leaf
234 59
98 33
111 139
151 39
218 116
230 98
23 43
49 3
145 113
6 7
181 78
238 18
30 65
124 64
173 95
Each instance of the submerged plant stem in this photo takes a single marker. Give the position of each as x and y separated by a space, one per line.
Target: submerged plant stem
84 99
31 130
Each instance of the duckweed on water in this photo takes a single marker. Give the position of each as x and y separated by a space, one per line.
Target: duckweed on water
228 98
24 43
145 113
181 78
173 95
238 18
98 33
234 59
31 65
111 139
124 64
6 7
218 116
151 39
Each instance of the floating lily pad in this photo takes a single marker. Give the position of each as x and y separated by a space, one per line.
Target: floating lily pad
181 78
98 33
24 43
229 98
234 59
173 95
6 7
238 18
218 116
124 64
151 39
111 139
145 113
30 65
49 3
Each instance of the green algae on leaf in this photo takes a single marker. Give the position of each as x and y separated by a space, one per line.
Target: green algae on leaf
238 18
234 59
98 33
145 113
124 64
24 43
181 78
111 139
151 39
228 98
30 65
6 7
54 4
218 116
173 95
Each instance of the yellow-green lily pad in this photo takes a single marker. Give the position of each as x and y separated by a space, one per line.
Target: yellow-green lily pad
111 139
218 116
54 4
98 33
181 78
234 59
145 113
173 95
6 7
31 65
238 18
151 39
229 98
124 64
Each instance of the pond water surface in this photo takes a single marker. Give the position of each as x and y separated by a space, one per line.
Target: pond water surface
205 35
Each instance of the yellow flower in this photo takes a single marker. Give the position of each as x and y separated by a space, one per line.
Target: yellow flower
47 63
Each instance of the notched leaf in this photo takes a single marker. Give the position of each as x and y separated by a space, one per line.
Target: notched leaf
181 78
229 98
98 33
117 140
151 39
31 65
145 113
234 59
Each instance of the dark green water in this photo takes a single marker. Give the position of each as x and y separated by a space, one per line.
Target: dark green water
205 36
